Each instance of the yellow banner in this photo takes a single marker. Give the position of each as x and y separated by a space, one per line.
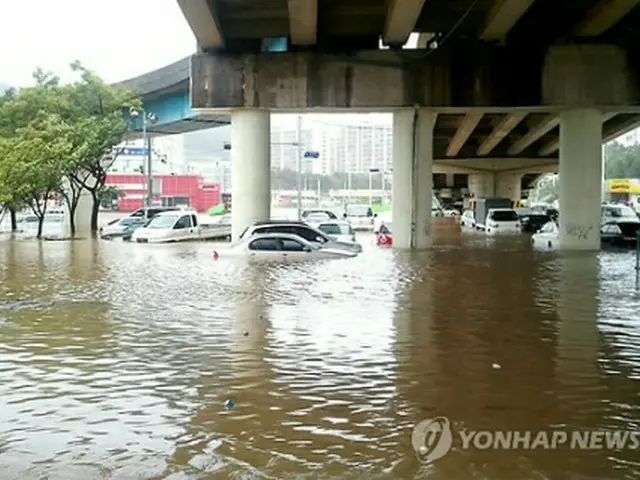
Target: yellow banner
622 185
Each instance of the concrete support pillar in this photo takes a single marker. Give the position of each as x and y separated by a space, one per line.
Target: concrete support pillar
482 185
83 215
580 177
250 168
509 185
412 177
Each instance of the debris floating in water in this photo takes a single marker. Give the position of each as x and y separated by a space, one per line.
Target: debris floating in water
245 333
496 366
229 404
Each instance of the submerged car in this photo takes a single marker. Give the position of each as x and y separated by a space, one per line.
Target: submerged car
281 247
122 228
621 233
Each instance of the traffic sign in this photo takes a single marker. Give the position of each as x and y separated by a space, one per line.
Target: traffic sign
311 154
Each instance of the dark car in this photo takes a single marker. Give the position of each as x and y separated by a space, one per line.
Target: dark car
620 233
532 222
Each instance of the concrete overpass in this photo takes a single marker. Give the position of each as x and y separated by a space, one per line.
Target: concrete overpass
165 92
507 81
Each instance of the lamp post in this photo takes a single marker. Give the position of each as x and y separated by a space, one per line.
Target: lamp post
146 140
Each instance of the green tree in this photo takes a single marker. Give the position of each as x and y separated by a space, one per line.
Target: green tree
622 161
31 170
96 109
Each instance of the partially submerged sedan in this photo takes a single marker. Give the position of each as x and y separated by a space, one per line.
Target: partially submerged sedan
281 247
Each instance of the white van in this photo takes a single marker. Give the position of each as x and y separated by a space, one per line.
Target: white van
503 220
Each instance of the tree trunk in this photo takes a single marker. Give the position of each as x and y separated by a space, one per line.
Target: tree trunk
14 219
72 219
95 210
40 225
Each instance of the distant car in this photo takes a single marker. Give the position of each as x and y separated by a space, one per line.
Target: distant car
617 212
150 212
341 231
318 215
282 247
361 217
384 237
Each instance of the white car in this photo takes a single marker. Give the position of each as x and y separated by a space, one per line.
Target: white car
301 229
340 231
361 217
547 237
502 220
468 219
175 226
281 247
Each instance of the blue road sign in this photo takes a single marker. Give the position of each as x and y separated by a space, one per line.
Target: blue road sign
135 151
311 154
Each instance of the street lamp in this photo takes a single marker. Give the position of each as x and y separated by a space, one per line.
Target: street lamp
151 118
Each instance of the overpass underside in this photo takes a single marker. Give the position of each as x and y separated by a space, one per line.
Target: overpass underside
498 88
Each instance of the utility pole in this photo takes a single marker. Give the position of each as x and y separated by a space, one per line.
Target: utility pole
299 163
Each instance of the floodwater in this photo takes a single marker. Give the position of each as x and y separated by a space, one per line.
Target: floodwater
116 361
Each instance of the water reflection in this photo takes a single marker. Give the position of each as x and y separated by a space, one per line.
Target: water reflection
116 360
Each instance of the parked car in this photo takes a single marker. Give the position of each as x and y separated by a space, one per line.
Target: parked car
384 237
149 212
282 247
616 212
309 233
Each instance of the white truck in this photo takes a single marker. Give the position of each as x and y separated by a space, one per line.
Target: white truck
180 226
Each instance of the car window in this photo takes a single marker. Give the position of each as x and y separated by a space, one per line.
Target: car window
504 216
290 245
386 229
330 228
265 244
308 234
611 229
183 222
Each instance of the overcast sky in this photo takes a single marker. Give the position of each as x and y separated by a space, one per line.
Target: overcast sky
116 38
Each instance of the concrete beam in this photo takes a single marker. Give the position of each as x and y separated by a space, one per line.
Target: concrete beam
303 21
464 131
492 165
500 132
203 22
502 17
604 15
622 129
542 128
553 146
402 16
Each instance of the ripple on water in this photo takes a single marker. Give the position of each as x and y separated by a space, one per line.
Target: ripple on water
116 360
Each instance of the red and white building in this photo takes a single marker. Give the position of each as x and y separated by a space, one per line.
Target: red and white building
169 190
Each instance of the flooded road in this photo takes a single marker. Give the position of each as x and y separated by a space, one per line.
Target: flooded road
116 361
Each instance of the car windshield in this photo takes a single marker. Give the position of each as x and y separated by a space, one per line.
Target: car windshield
504 216
620 211
162 221
359 211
